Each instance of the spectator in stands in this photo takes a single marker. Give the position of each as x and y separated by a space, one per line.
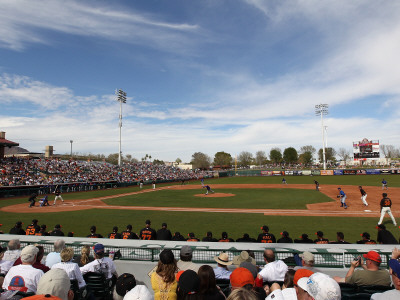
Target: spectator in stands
24 277
148 233
54 257
208 287
128 234
366 239
178 237
320 238
192 238
188 286
55 283
242 294
307 262
164 234
38 263
241 277
42 231
246 239
222 271
57 231
5 265
17 229
93 234
125 283
138 292
320 286
394 265
274 270
385 236
265 236
339 239
287 292
243 257
285 238
13 252
224 238
101 264
370 273
115 234
209 238
185 262
32 228
163 279
304 239
84 258
72 269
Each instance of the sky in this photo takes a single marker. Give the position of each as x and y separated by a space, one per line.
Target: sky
200 75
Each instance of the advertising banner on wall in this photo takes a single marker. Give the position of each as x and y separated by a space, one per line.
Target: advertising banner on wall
297 173
337 172
349 172
277 173
326 172
287 172
315 172
306 172
373 171
266 173
361 172
385 171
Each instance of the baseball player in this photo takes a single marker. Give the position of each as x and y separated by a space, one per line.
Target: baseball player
32 199
284 181
384 184
342 196
316 185
57 192
202 182
386 205
154 184
141 183
209 190
363 196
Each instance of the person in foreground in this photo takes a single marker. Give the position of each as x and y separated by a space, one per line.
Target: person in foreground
320 286
163 279
394 265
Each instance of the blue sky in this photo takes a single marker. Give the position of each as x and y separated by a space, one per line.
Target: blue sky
202 76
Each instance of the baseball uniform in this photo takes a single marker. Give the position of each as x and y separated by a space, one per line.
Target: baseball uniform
384 184
386 205
58 196
343 197
363 196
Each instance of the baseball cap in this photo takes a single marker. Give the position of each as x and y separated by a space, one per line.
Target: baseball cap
139 292
19 223
381 226
148 222
129 226
93 228
3 249
186 251
265 227
374 256
164 225
320 286
285 233
115 228
35 221
394 264
319 233
339 188
307 256
178 275
125 283
240 277
300 273
98 248
57 226
28 253
167 257
54 282
191 234
304 236
242 257
189 282
366 235
43 226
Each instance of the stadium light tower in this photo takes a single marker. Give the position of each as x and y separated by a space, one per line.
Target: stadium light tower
121 98
71 141
322 109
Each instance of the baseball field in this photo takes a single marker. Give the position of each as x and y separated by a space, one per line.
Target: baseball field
239 205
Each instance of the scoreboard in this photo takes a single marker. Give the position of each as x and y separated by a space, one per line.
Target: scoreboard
366 149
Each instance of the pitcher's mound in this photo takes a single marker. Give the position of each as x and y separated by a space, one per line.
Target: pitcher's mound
215 195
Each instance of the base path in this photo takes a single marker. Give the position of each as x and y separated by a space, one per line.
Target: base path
356 208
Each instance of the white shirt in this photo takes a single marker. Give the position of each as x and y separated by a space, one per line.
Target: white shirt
274 271
5 265
12 255
52 258
388 295
73 271
104 265
24 278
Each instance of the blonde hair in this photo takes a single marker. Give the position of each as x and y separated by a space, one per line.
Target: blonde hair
67 254
85 251
242 294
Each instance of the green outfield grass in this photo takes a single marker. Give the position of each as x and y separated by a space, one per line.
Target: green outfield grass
198 222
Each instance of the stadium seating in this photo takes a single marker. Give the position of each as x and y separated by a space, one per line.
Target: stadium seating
101 287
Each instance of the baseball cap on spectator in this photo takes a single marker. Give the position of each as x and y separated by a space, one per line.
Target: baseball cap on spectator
29 252
242 257
300 273
167 257
307 256
125 283
189 282
54 282
186 251
43 297
374 256
366 235
265 227
98 248
223 259
240 277
148 222
320 286
139 292
394 264
178 275
249 266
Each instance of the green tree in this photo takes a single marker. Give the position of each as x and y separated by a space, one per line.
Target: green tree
261 158
275 155
306 158
330 154
308 148
158 162
245 159
290 155
178 160
222 159
112 159
200 161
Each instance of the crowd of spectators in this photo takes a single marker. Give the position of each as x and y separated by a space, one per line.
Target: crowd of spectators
237 279
27 171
